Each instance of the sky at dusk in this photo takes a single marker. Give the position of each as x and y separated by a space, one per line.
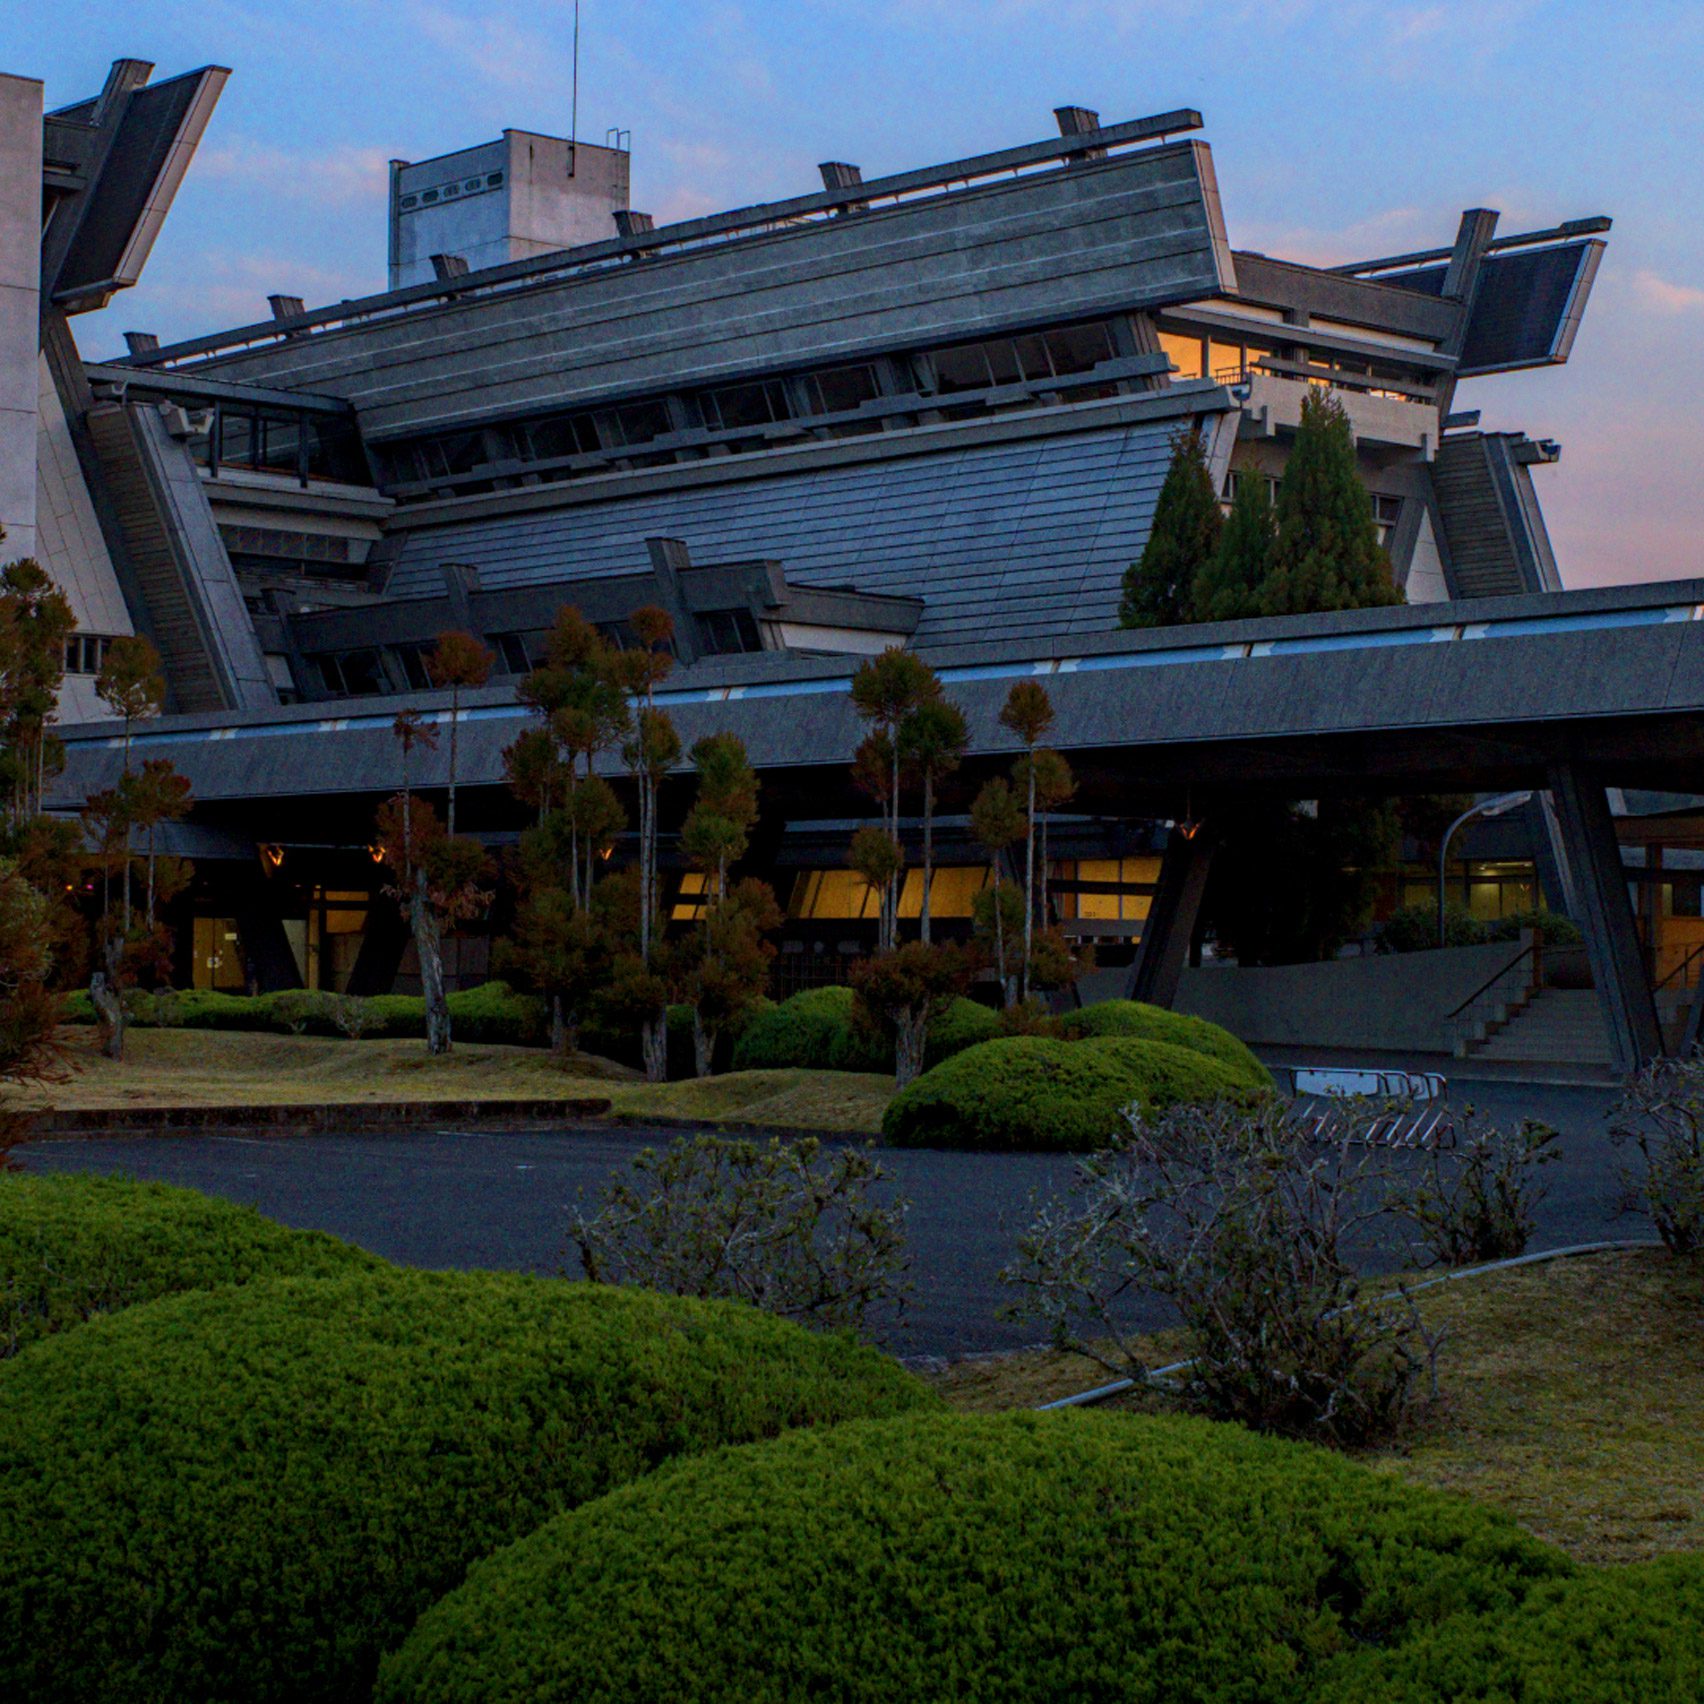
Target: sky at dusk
1340 131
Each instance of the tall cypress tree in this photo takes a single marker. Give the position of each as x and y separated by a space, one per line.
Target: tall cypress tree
1229 587
1327 553
1159 590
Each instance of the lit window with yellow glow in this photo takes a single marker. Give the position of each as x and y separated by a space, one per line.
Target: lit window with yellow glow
1105 890
1184 353
691 897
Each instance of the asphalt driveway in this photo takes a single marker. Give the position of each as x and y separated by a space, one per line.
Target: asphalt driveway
494 1199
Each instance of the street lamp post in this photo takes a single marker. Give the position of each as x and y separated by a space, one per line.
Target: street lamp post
1485 808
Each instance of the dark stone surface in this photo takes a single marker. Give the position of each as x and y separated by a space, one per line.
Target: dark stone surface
498 1199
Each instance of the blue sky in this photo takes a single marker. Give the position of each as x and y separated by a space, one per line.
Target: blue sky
1340 129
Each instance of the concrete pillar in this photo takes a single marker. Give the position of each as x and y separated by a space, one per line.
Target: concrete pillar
20 309
1163 951
1606 915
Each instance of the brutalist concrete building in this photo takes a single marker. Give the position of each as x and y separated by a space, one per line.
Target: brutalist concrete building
931 408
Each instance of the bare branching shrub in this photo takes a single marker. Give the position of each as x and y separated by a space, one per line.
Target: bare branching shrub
1477 1198
810 1234
1660 1117
1242 1218
351 1016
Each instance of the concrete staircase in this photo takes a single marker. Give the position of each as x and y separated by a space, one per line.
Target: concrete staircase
1556 1026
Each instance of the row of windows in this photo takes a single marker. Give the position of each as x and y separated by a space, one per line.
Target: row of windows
85 653
831 397
1083 889
1229 361
450 192
263 440
362 671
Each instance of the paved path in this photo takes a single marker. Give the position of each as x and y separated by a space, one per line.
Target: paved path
495 1199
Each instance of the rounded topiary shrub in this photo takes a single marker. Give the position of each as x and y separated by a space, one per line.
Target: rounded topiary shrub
249 1494
1041 1092
806 1030
1142 1022
1060 1556
1629 1634
816 1030
73 1246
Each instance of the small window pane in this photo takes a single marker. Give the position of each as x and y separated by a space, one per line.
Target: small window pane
1184 353
961 369
1077 348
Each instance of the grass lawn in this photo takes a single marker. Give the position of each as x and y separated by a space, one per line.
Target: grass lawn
1573 1398
785 1100
166 1067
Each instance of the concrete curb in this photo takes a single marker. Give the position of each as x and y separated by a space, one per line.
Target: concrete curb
316 1118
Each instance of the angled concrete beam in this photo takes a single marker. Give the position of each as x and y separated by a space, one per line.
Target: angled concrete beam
1163 950
1606 915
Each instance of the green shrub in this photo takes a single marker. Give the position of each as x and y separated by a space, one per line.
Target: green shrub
1040 1092
802 1031
1557 930
815 1030
72 1247
1414 929
1622 1635
1063 1556
1143 1022
493 1012
250 1493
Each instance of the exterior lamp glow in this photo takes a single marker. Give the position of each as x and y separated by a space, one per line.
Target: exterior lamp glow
1492 807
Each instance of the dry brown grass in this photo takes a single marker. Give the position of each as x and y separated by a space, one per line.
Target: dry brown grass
831 1101
166 1068
1573 1399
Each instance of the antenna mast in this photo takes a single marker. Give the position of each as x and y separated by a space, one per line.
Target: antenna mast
574 101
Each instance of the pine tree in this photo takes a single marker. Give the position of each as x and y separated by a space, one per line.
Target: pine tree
1229 587
1326 554
1159 590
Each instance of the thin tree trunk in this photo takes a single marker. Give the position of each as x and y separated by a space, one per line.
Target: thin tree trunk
1000 936
1029 882
654 1041
911 1034
429 945
703 1044
455 730
558 1026
928 847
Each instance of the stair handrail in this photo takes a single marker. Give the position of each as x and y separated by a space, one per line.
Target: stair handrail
1522 957
1690 958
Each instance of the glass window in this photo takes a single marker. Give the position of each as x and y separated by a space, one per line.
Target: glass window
411 659
842 388
1032 357
738 406
728 630
1105 890
952 893
1184 353
1003 362
1077 348
961 369
691 897
831 896
1225 361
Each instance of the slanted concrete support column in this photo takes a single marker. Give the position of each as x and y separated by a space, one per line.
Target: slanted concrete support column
1163 950
1606 915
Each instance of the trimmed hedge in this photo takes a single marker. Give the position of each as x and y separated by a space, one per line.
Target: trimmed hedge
1631 1634
250 1493
1040 1092
1142 1022
73 1247
814 1029
1059 1556
492 1012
